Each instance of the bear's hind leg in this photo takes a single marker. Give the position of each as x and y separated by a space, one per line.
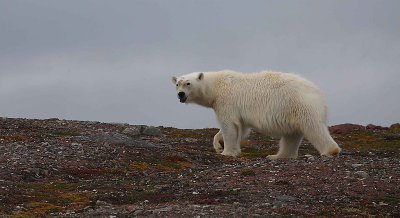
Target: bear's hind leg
322 140
245 132
218 138
288 147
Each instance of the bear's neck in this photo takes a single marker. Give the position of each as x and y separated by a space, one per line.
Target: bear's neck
206 95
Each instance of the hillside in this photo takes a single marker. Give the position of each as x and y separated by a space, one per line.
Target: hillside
81 168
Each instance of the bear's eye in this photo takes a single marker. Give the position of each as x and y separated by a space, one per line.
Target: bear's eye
188 84
176 84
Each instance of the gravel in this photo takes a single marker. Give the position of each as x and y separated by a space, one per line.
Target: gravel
59 168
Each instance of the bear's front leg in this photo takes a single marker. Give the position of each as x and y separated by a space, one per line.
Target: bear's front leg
232 138
218 138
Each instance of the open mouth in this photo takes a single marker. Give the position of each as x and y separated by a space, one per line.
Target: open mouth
182 100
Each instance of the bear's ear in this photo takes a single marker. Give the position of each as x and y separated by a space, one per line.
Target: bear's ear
201 76
174 79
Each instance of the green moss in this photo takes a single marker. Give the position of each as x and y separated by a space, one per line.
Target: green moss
248 173
389 199
251 152
57 186
366 140
54 196
173 162
135 196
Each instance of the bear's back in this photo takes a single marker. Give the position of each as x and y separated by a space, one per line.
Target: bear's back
265 80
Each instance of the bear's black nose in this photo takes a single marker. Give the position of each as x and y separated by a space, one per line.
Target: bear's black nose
181 94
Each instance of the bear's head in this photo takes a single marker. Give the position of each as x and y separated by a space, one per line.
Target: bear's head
188 86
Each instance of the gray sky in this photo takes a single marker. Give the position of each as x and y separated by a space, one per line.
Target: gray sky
112 61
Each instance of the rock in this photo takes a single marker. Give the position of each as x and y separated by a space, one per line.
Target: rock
53 119
370 126
395 126
114 137
382 204
361 174
380 128
356 165
374 127
152 131
344 128
191 140
131 131
391 136
111 137
34 170
137 212
165 209
309 157
277 204
286 198
101 203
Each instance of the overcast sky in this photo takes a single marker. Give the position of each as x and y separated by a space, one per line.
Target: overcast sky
112 61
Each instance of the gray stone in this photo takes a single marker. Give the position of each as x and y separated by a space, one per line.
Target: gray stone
286 198
101 203
112 137
309 157
131 131
34 170
152 131
191 140
165 209
277 204
356 165
361 174
137 212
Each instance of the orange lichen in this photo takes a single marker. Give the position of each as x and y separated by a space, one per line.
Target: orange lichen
139 166
173 162
19 137
21 214
77 200
250 152
43 207
246 142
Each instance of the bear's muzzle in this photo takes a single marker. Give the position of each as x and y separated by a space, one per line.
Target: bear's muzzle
182 97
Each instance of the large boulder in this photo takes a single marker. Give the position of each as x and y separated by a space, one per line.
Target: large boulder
152 131
395 126
132 131
375 127
344 128
141 129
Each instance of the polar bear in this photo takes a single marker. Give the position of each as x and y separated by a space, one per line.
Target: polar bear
277 104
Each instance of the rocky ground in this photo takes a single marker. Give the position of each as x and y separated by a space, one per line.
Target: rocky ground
74 168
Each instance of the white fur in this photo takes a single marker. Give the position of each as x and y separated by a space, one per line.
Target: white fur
277 104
